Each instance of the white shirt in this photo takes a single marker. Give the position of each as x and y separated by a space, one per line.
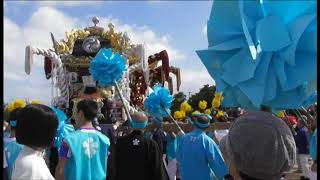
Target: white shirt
220 133
31 165
5 163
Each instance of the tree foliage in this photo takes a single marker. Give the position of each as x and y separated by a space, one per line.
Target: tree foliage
179 98
206 93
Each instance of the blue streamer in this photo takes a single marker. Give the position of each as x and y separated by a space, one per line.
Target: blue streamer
63 128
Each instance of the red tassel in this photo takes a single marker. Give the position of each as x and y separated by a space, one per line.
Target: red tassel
47 67
163 55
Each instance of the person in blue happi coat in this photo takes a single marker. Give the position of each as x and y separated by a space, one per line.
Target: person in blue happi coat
198 155
84 153
11 147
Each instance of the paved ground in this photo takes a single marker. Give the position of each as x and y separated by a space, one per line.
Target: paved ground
293 175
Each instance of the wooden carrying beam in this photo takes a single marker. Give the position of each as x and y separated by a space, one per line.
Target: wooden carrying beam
185 127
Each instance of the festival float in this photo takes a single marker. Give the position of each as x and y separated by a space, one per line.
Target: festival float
75 76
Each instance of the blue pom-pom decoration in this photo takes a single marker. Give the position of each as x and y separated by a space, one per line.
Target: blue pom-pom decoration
159 99
63 128
107 67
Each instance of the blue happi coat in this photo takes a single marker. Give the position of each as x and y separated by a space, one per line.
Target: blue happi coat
88 155
199 157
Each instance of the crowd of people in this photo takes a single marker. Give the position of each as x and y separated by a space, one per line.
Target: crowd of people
258 145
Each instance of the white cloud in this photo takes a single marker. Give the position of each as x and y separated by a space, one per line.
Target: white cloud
193 80
143 34
36 32
204 30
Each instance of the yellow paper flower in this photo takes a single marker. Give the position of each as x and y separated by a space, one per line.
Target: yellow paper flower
281 114
183 114
35 101
19 103
218 95
216 103
203 105
179 115
219 114
185 107
196 112
207 111
10 107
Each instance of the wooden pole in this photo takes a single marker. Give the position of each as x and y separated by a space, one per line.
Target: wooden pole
172 119
122 99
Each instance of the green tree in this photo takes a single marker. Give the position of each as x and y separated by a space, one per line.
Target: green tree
179 98
206 93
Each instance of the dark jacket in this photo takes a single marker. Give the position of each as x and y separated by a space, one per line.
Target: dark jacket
302 140
159 137
136 158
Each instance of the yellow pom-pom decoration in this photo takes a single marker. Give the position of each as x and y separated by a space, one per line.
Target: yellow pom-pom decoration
207 111
10 107
203 105
196 112
35 101
219 114
281 114
218 95
216 103
179 115
185 107
19 103
183 114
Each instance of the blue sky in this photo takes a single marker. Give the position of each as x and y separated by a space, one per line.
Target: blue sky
177 26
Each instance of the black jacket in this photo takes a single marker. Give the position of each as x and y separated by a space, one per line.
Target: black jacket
136 158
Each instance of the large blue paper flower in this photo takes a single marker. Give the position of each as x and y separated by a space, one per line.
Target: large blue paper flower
63 128
263 52
107 67
157 101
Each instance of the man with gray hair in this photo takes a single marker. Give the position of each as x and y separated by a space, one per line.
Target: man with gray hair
258 146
